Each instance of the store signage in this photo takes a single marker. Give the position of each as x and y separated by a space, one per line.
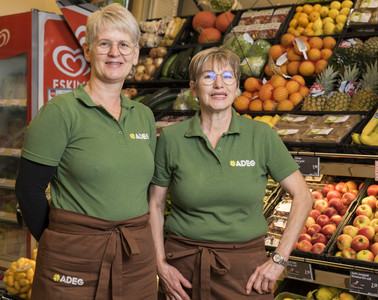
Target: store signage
308 165
299 270
363 283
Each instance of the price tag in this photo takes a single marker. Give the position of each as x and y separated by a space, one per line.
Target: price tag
363 283
376 170
308 165
299 270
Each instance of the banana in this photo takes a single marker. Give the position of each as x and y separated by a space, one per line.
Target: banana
177 27
371 125
356 138
170 28
371 140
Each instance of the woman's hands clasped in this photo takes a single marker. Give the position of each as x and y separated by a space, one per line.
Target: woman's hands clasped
172 282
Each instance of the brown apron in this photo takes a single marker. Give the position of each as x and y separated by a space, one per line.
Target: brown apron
83 257
217 271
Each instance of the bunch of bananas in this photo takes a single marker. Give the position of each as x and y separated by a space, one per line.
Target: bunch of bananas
369 134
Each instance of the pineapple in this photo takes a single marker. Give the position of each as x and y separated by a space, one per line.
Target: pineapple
340 101
366 97
326 79
371 46
357 47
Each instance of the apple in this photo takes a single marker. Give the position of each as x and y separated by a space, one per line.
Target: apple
367 231
376 212
330 211
336 219
321 205
338 254
344 241
372 190
376 259
327 188
366 255
360 186
314 213
360 242
374 224
319 238
374 248
333 194
337 203
364 209
304 230
352 185
370 200
350 230
361 221
349 253
318 248
314 228
304 245
322 220
343 211
375 239
341 187
328 230
311 221
348 198
304 236
317 195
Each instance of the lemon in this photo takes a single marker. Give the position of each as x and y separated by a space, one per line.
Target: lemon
341 19
293 23
335 5
314 15
300 29
324 11
347 4
318 24
333 13
317 7
345 11
328 20
296 16
329 28
339 28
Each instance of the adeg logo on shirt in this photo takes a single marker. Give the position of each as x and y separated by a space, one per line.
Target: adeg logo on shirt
139 136
242 163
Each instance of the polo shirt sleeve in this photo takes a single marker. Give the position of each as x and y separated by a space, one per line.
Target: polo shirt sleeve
46 136
162 174
280 163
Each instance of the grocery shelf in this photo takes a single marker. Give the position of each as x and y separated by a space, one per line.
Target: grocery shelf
10 152
12 102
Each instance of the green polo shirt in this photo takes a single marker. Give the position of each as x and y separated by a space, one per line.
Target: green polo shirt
104 165
217 194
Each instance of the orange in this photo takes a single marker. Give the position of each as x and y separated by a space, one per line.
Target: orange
300 30
316 42
277 80
299 9
280 94
314 15
326 53
303 38
292 67
295 98
275 52
241 103
303 21
292 86
268 71
299 79
296 49
269 105
252 84
314 54
329 42
287 39
308 32
320 65
285 105
247 94
292 56
255 95
307 9
266 91
256 105
306 68
283 68
304 90
293 23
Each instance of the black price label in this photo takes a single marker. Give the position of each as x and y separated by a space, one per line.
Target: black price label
363 283
299 270
308 165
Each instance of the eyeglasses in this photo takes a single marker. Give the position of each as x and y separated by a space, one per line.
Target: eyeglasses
104 47
209 77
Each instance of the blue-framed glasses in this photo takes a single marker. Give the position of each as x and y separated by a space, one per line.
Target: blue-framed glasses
209 77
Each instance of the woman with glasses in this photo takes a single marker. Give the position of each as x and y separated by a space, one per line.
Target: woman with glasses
216 166
96 147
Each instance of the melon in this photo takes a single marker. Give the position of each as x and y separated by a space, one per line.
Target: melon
223 21
209 35
202 20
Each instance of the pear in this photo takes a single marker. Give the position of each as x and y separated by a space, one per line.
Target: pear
324 11
329 28
318 24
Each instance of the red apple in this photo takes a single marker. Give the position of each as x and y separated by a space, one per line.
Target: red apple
322 220
370 200
366 255
327 188
374 248
374 224
309 222
336 219
360 242
375 239
344 241
360 186
341 187
328 230
315 214
317 195
367 231
321 205
333 194
348 198
304 236
314 228
336 203
343 211
330 211
376 212
304 230
350 230
352 185
364 209
361 221
372 190
304 245
319 238
318 248
349 253
338 254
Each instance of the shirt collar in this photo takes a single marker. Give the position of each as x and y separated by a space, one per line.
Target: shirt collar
196 130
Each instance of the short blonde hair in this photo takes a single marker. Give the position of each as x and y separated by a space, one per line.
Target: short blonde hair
113 16
215 55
